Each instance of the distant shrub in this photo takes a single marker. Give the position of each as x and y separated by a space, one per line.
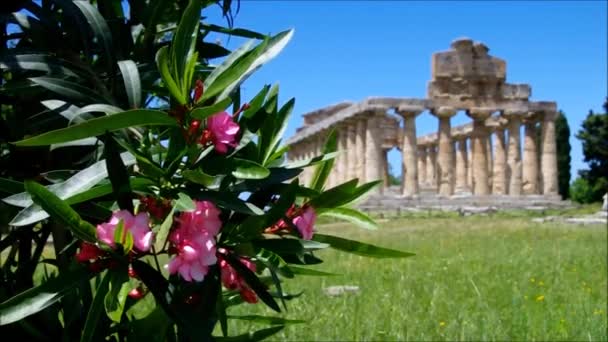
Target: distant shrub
582 191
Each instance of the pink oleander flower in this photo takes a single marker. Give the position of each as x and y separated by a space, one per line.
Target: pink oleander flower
233 281
194 241
138 226
305 222
222 131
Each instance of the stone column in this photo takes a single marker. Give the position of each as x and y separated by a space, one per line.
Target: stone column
499 179
530 163
470 164
385 174
490 156
351 150
409 178
373 150
360 150
549 154
431 158
342 161
514 154
461 166
480 153
421 166
445 151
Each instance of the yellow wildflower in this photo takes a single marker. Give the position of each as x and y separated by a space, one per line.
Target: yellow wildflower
540 283
540 298
442 324
532 280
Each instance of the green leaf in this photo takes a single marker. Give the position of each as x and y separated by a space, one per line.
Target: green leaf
256 103
260 55
230 201
100 29
205 112
130 77
223 67
323 170
39 62
266 319
70 90
253 281
184 40
98 126
61 211
184 203
239 32
40 297
10 186
199 177
140 184
163 231
251 336
115 298
97 306
336 196
360 248
163 65
279 124
247 169
118 174
351 215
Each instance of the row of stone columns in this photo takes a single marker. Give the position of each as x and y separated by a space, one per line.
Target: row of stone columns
359 141
447 165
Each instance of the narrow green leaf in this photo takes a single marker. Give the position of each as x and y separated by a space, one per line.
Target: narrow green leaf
61 211
70 90
279 126
163 232
115 298
100 28
40 297
202 113
97 307
184 203
118 174
253 281
235 31
163 65
323 170
184 40
98 126
262 54
360 248
132 82
199 177
247 169
227 63
351 215
256 103
10 186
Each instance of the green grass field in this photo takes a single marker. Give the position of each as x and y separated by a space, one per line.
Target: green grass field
498 277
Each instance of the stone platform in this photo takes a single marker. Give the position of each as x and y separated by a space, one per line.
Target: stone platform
428 199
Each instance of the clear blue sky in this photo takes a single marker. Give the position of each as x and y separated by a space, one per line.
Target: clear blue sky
349 50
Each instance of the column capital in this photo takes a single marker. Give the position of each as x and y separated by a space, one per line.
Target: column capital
498 123
409 110
480 113
549 115
531 117
444 112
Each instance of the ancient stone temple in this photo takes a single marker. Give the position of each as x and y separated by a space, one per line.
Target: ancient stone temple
483 158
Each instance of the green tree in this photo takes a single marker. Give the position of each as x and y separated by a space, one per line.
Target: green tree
562 135
594 138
